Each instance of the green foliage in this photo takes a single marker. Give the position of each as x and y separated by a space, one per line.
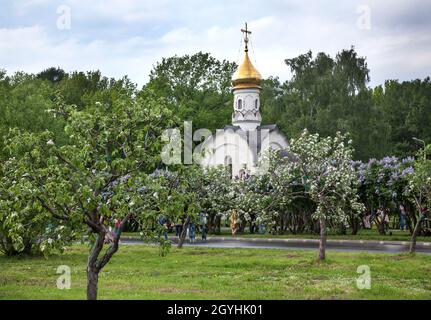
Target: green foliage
326 95
197 88
419 181
95 176
24 102
52 74
406 109
317 169
92 117
382 182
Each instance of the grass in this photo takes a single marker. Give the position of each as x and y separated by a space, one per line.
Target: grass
363 234
139 272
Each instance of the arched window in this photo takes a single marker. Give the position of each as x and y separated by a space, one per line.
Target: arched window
239 103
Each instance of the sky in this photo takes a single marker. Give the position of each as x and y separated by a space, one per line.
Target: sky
128 37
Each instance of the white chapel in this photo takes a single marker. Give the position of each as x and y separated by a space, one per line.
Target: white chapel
241 144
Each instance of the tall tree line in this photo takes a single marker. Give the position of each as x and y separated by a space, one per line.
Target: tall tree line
325 95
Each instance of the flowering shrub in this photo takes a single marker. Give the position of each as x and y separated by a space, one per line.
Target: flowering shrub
382 181
382 184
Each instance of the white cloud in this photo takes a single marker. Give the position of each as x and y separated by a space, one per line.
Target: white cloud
280 30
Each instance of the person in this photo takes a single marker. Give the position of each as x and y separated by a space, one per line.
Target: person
241 174
117 226
261 228
381 219
387 221
164 222
109 236
203 221
234 225
367 222
192 232
402 218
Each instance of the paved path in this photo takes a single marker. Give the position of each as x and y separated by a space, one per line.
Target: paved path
301 244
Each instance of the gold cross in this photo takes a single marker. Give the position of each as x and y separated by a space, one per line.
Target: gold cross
246 33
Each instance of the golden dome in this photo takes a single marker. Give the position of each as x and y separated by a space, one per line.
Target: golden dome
246 76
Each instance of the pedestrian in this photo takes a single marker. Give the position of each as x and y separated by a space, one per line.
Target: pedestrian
261 228
403 217
234 223
117 226
367 222
192 232
164 223
109 236
203 222
386 219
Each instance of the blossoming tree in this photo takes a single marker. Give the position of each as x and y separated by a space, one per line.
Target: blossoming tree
319 169
382 184
419 189
95 177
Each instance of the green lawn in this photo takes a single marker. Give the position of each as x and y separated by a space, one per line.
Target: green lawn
397 235
139 272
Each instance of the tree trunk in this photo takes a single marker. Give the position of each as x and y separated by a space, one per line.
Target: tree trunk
414 235
92 269
92 281
322 242
413 221
355 225
211 224
218 224
343 229
182 237
27 246
94 263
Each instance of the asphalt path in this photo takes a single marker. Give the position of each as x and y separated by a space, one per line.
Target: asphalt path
300 244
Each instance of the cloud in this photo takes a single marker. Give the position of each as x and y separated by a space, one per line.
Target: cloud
129 37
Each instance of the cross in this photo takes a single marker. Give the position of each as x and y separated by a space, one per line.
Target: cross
246 33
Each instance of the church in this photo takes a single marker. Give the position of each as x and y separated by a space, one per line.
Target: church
241 144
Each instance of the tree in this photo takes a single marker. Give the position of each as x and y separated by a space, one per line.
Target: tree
52 74
176 195
181 192
406 109
25 227
217 195
197 88
382 184
319 169
326 95
419 189
97 175
24 103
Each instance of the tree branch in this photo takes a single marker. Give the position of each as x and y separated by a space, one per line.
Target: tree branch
51 210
